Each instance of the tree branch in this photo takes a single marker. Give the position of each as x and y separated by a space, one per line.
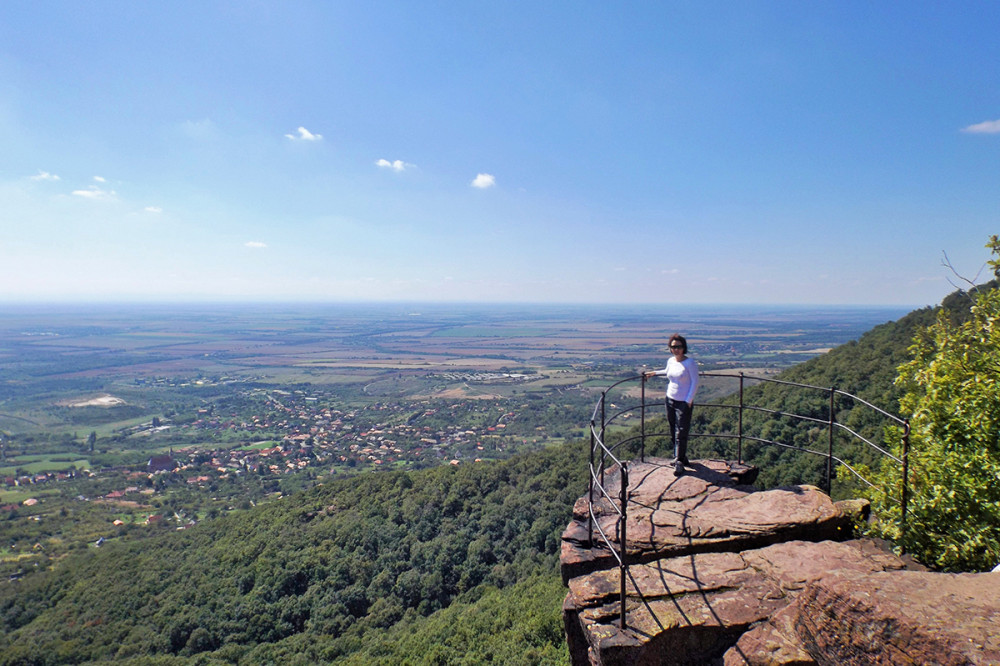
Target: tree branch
973 287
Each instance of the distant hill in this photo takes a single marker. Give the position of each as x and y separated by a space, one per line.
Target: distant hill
437 566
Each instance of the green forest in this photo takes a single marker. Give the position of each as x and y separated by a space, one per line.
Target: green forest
348 568
447 565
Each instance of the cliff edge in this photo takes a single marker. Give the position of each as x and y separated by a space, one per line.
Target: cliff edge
720 573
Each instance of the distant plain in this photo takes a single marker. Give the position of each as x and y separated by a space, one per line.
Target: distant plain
107 369
59 355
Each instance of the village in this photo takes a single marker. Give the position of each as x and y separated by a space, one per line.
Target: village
201 464
249 446
298 431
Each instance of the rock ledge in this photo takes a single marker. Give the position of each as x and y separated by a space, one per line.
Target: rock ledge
723 574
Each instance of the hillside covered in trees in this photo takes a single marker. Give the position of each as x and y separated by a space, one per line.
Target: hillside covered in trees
444 565
313 576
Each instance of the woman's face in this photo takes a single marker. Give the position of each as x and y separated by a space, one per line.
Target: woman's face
676 348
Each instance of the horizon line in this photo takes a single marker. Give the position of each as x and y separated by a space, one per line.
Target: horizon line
415 302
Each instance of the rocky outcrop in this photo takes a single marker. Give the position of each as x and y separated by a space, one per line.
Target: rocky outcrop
908 617
708 509
721 573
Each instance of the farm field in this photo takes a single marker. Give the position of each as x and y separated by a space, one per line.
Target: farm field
107 367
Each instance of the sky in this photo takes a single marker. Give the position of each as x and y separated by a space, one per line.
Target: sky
569 152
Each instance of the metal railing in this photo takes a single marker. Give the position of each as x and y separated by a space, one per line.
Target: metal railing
604 455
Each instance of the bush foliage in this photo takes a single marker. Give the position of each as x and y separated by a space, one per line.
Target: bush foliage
951 386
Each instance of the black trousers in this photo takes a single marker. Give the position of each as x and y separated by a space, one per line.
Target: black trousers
679 417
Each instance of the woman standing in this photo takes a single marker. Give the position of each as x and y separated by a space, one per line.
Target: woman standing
682 375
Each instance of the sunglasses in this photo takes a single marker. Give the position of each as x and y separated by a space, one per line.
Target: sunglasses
677 346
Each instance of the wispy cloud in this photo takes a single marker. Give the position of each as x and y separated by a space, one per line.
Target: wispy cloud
484 181
100 179
153 209
396 165
44 175
987 127
95 194
255 244
304 135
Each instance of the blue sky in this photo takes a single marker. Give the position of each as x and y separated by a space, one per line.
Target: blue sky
738 152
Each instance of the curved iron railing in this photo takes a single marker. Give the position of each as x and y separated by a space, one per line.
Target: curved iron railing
604 455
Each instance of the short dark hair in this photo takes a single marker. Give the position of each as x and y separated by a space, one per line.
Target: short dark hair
679 338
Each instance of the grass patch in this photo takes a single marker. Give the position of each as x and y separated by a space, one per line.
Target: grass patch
18 495
43 464
259 445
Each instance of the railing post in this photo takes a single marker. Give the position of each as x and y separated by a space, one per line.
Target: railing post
590 489
739 445
623 553
829 455
906 482
603 441
642 419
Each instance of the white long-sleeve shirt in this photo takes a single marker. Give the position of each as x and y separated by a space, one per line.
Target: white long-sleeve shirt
683 378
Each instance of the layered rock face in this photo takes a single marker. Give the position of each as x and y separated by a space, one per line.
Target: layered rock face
720 573
906 617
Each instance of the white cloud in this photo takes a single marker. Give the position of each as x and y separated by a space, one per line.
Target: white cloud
305 135
987 127
100 179
397 165
484 181
95 194
153 209
45 175
255 244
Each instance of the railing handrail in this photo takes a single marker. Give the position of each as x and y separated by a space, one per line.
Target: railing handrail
772 380
608 453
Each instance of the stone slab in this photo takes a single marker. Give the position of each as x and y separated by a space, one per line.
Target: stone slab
693 608
704 510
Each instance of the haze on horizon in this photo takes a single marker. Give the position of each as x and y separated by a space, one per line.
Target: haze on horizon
660 152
